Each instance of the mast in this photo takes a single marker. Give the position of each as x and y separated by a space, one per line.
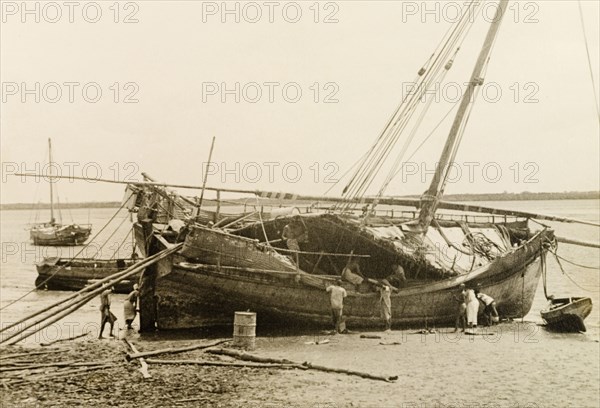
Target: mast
206 174
431 197
52 220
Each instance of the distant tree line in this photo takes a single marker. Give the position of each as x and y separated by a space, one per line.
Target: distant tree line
523 196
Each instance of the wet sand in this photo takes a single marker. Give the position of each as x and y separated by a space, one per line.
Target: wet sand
519 365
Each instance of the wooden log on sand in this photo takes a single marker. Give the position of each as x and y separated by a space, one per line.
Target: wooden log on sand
225 363
250 357
240 355
174 350
144 365
57 364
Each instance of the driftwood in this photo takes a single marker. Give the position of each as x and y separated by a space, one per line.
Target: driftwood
144 365
250 357
137 354
351 372
225 364
67 339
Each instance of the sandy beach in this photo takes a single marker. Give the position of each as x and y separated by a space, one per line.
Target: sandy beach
511 365
521 365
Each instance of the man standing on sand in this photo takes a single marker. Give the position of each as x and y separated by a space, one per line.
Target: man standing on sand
461 310
386 306
106 315
130 306
337 295
472 309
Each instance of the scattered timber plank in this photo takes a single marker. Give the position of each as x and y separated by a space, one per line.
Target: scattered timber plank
33 353
57 364
58 374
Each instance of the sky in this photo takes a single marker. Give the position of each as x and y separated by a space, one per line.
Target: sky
293 92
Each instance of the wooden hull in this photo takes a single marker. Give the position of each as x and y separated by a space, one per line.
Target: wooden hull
188 295
66 274
214 247
60 235
567 314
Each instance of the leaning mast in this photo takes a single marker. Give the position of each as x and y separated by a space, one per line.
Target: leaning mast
431 197
50 167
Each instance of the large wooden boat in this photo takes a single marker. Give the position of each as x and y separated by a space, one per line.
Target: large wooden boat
53 233
74 274
186 293
567 314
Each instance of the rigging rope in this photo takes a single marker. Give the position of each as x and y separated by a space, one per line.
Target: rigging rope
576 264
115 253
398 164
570 278
381 149
587 50
99 250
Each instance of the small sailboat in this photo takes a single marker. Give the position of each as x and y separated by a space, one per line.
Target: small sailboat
53 233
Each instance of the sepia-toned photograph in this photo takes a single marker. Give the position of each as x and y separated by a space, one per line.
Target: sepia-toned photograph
300 204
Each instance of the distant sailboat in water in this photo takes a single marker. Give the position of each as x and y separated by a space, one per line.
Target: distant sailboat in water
56 234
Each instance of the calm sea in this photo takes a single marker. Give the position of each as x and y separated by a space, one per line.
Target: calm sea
18 273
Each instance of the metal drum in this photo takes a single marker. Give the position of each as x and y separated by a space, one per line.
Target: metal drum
244 330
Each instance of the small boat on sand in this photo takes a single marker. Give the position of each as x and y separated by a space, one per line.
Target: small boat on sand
567 314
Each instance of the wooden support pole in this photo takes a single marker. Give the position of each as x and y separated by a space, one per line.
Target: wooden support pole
45 321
